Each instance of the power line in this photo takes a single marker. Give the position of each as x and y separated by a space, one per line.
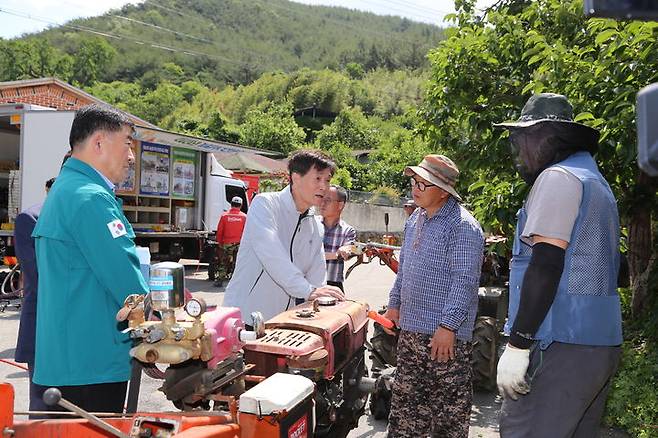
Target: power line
164 29
119 37
182 14
261 55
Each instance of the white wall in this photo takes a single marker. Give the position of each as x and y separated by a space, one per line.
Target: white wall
370 218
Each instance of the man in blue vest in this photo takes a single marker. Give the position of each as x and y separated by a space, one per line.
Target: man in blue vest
87 266
564 320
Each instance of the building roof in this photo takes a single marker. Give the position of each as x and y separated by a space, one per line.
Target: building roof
248 162
53 93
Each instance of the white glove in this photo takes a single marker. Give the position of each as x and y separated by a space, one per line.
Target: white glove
512 367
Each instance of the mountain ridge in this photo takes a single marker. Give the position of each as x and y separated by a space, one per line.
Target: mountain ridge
235 41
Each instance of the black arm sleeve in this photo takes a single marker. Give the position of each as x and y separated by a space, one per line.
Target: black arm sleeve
538 291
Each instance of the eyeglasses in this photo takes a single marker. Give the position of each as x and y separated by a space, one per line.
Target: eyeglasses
329 201
419 184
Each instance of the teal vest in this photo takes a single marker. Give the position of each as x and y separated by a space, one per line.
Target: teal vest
586 309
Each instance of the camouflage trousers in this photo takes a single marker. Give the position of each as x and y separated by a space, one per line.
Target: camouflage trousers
226 255
430 398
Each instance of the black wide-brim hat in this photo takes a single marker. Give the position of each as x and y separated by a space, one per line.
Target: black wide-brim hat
552 108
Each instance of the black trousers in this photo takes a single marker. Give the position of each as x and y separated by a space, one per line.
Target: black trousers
99 397
338 284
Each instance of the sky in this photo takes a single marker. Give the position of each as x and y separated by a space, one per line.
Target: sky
26 16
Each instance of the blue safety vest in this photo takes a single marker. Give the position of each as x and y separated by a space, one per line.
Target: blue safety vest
586 309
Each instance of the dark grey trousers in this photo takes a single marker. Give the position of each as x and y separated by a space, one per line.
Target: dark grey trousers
569 386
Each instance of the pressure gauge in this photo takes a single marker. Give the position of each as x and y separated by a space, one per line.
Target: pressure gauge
195 307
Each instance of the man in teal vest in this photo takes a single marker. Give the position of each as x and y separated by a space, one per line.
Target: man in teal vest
564 321
87 266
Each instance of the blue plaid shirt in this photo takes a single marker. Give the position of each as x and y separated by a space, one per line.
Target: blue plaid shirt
339 235
439 273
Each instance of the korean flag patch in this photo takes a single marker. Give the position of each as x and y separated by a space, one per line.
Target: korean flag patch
117 229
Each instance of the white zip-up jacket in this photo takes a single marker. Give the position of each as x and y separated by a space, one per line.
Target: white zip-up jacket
281 257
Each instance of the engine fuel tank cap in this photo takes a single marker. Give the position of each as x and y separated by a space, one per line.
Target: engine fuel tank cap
326 301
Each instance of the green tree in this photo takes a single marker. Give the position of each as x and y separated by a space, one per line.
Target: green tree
273 128
352 129
355 70
123 95
547 45
32 58
157 104
220 128
92 58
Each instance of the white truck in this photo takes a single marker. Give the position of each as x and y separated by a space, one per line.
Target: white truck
173 196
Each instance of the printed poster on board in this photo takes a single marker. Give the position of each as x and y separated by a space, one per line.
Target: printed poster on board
128 185
154 171
184 173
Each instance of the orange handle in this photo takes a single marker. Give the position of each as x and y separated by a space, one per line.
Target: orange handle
385 322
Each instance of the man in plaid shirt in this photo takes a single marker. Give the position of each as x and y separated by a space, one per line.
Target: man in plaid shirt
434 303
338 235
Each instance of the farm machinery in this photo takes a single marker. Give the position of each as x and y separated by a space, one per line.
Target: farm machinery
301 374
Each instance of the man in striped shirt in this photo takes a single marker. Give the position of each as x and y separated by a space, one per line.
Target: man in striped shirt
338 235
434 303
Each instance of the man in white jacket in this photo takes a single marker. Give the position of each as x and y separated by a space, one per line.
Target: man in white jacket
281 255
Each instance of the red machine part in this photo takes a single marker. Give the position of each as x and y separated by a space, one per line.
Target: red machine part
339 328
366 252
384 322
179 425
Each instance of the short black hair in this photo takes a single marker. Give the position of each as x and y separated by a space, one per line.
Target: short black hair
341 193
304 160
50 183
236 204
67 155
92 118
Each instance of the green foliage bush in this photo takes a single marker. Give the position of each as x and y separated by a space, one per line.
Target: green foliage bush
633 399
273 128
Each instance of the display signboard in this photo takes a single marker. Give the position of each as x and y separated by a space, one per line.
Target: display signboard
184 173
154 169
129 185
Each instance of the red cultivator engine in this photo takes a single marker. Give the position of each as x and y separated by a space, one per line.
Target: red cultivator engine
323 341
212 358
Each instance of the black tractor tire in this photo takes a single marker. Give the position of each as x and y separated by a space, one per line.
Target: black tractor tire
379 407
485 357
380 400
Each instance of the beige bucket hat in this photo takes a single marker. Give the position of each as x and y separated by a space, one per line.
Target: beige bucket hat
439 170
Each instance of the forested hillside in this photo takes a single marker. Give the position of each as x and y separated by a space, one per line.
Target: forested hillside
216 42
